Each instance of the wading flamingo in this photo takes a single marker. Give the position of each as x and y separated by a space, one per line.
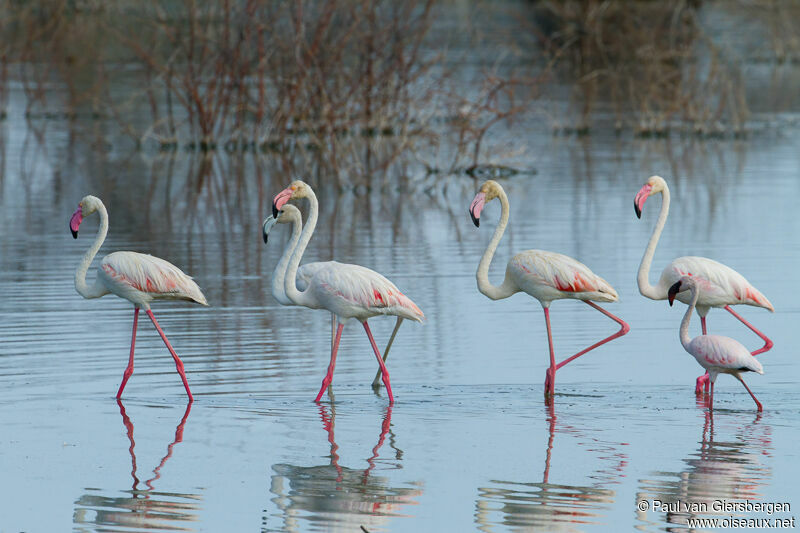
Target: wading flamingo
715 353
347 291
289 214
546 276
718 285
138 278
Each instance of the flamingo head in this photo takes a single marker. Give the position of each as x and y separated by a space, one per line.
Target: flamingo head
488 192
86 207
288 213
683 284
653 185
297 189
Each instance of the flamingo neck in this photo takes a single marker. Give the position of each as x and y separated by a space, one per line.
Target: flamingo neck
643 279
97 290
279 274
290 283
507 288
684 334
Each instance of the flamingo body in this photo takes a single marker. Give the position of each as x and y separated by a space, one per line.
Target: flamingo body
719 285
142 278
722 355
354 291
549 276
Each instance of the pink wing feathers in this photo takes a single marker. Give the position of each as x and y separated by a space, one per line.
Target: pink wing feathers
723 352
365 288
716 280
151 275
561 272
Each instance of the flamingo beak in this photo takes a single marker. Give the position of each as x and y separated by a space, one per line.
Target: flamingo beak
476 207
674 290
280 200
641 198
268 223
75 222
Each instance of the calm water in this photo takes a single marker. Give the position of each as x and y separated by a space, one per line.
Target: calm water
469 443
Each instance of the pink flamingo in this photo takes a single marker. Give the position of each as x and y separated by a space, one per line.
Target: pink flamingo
546 276
718 285
138 278
347 291
715 353
289 214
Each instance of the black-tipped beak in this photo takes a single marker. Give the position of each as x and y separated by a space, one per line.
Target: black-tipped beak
476 221
275 211
674 290
74 233
266 236
636 208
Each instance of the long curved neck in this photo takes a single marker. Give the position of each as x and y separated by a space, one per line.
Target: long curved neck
279 274
482 275
96 290
643 279
685 339
290 283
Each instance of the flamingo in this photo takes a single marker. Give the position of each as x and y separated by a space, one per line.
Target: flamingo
138 278
347 291
719 285
289 214
716 353
546 276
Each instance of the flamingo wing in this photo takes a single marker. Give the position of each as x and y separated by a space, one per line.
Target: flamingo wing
559 272
149 274
364 288
719 284
723 353
306 272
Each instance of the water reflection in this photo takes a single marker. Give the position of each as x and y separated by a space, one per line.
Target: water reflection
138 509
333 497
731 468
554 506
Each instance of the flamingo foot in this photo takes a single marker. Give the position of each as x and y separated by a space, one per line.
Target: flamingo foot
702 384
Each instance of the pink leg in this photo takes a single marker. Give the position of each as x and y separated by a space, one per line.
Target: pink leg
129 370
701 385
711 397
767 342
326 381
624 328
178 362
384 372
550 376
753 396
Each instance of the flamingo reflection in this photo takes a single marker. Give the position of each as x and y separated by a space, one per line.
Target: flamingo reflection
553 506
141 509
351 498
731 467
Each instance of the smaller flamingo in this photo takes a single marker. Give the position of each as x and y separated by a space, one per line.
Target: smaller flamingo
546 276
716 353
138 278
